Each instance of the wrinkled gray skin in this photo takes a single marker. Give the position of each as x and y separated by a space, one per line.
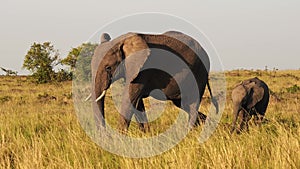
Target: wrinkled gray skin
250 98
137 51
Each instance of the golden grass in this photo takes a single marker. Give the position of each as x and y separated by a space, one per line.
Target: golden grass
39 129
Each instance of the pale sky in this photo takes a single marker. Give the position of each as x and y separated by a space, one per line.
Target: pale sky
246 34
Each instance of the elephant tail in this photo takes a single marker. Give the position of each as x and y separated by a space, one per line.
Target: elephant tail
213 99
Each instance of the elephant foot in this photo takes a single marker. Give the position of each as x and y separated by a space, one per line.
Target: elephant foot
144 127
242 130
235 130
123 125
200 119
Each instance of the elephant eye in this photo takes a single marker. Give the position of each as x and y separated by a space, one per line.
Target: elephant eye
108 68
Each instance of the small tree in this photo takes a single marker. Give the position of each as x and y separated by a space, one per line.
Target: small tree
71 59
40 60
63 75
80 58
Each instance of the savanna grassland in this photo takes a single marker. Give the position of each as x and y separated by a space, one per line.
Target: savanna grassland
39 129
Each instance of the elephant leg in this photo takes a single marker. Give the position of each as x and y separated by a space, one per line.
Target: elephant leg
258 118
131 96
125 115
192 111
261 118
141 116
236 111
245 117
193 115
240 121
200 116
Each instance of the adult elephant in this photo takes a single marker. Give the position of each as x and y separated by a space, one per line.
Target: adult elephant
140 59
250 98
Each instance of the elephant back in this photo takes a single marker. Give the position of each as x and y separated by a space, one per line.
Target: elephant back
193 44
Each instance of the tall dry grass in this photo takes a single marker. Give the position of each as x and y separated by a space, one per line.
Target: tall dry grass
39 129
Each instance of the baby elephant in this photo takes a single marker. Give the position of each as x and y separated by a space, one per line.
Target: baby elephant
250 97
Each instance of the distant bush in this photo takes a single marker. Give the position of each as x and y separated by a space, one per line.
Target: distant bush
80 58
41 60
63 75
5 99
293 89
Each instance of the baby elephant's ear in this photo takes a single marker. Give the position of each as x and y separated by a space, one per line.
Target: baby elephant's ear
105 37
136 52
257 95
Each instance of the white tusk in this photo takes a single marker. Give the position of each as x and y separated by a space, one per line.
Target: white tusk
101 96
88 98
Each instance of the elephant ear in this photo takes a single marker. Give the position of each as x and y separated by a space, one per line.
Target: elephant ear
136 52
256 94
105 38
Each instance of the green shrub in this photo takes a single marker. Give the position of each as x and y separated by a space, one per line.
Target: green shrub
63 75
293 89
5 99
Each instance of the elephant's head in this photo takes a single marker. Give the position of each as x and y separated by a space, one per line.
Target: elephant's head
111 58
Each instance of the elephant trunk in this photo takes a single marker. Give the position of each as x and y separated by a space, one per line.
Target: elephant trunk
98 102
99 110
